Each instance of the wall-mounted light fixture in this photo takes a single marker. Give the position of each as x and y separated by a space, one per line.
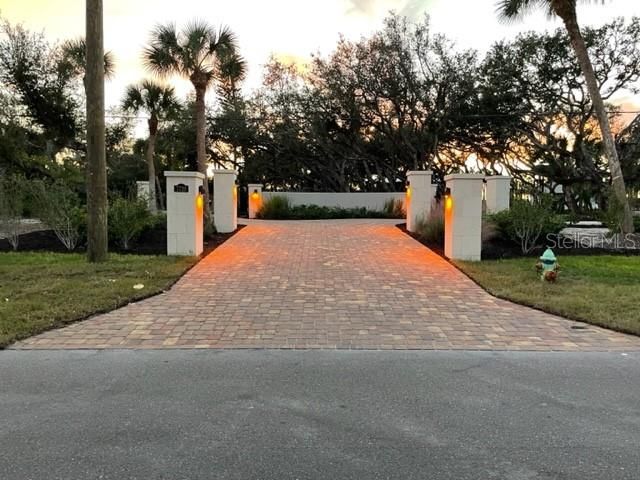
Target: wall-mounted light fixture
448 201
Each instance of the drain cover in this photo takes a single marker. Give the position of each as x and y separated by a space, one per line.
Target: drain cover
578 327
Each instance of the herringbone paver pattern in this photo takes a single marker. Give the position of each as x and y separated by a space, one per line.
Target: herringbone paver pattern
340 284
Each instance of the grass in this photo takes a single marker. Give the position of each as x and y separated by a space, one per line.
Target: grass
602 290
39 291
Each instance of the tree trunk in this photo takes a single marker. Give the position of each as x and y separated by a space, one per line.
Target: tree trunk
201 146
97 246
617 180
159 194
151 167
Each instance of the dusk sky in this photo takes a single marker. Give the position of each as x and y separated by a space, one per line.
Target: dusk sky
287 28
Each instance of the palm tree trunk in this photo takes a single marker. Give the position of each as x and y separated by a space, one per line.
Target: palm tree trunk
201 146
151 168
617 180
97 246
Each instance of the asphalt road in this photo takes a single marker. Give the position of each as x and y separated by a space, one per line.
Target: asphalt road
318 415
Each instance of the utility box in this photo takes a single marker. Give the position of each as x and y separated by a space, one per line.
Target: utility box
185 207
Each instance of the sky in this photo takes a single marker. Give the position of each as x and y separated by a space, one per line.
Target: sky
289 29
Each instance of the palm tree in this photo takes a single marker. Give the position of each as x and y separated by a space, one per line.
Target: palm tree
193 53
232 70
566 10
158 101
74 59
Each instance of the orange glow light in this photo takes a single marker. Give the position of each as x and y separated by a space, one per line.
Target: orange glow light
255 195
448 202
199 202
408 192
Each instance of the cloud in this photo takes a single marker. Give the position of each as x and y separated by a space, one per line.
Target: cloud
408 8
415 8
362 6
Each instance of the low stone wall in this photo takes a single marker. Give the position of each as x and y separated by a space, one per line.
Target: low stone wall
371 201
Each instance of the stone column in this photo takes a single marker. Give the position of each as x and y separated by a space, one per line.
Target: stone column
255 199
225 201
185 205
463 216
498 193
420 193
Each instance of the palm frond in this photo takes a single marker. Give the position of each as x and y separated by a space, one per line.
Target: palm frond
232 67
133 99
155 98
162 56
514 10
109 65
198 34
192 53
74 58
224 40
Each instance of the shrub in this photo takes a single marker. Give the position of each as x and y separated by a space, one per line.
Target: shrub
394 208
12 193
613 216
526 223
431 230
127 220
159 221
279 208
276 208
59 208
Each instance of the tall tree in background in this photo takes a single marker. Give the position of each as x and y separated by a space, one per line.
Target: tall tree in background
97 246
195 54
566 10
29 75
158 101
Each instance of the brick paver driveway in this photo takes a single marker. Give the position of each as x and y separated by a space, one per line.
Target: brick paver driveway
338 284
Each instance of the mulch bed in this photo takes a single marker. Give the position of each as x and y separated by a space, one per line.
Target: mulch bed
496 249
151 242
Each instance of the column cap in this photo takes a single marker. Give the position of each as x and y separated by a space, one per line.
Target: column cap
255 185
464 176
498 177
224 171
184 174
419 172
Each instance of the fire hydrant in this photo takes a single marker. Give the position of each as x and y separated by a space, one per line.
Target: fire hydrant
548 266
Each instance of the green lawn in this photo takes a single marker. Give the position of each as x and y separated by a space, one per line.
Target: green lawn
603 290
39 291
